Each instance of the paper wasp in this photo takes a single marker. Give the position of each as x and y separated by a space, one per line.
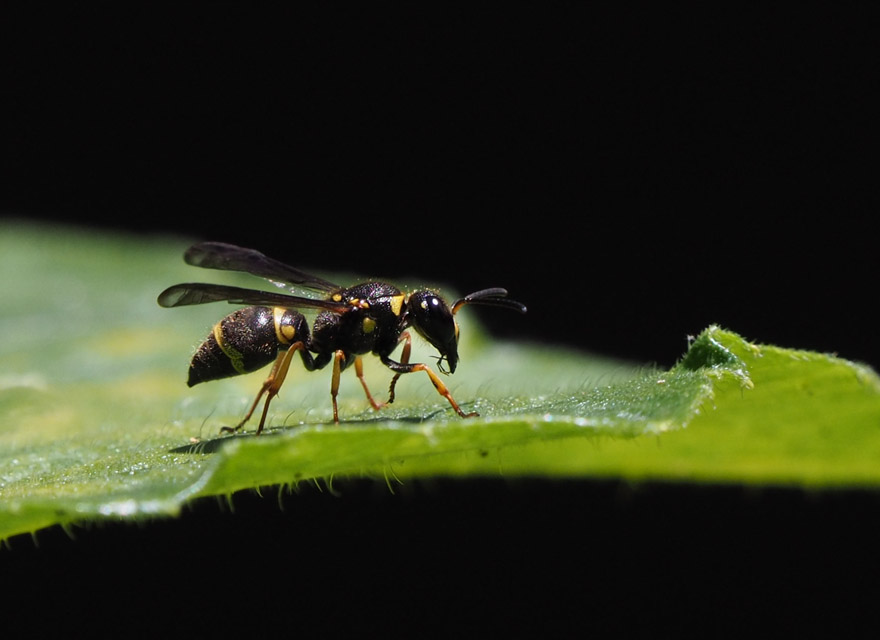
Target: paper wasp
351 321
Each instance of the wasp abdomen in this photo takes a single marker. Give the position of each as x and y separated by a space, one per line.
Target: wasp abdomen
246 340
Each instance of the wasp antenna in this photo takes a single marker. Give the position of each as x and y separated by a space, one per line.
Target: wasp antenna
492 297
492 292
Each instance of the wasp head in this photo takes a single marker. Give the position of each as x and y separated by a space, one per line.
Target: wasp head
429 314
432 318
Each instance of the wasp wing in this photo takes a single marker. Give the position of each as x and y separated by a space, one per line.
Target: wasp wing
228 257
181 295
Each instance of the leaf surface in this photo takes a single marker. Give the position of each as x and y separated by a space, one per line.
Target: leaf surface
96 421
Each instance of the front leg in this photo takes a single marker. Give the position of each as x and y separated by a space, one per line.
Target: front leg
404 360
405 367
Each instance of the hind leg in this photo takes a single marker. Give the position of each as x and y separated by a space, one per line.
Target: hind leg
270 387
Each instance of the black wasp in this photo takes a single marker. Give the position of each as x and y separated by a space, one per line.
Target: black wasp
368 317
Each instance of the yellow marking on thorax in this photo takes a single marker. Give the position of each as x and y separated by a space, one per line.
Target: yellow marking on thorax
397 304
368 325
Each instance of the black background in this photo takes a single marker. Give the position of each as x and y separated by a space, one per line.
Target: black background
632 175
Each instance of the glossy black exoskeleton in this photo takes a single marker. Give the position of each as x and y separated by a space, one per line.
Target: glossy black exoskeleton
372 317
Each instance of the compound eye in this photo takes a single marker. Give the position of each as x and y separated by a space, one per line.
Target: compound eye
432 318
431 312
430 304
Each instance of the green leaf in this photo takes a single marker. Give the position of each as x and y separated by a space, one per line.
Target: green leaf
96 421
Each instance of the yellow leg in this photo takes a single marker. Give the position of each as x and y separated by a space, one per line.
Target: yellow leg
338 358
271 387
435 380
359 369
442 390
334 384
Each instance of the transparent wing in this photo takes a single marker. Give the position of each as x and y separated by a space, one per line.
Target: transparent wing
181 295
228 257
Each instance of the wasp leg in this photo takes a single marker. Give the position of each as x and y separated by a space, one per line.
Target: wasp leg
338 357
359 370
403 367
271 386
404 359
338 366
